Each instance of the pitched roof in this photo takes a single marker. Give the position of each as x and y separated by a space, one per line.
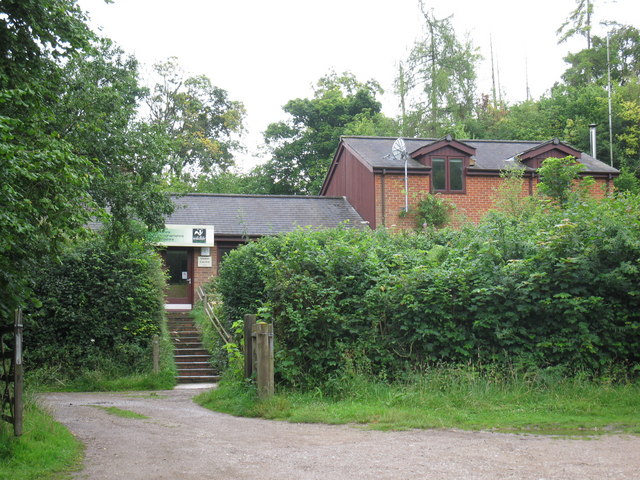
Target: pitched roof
258 215
490 154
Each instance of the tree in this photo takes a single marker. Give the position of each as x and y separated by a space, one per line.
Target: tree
437 84
558 177
200 119
578 23
302 147
43 193
590 65
95 111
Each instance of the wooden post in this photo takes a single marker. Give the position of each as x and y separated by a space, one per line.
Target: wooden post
18 406
264 352
156 354
249 322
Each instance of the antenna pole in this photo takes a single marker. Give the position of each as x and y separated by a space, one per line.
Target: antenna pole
609 97
406 184
526 77
493 74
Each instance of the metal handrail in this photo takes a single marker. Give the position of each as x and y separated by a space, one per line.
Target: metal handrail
208 307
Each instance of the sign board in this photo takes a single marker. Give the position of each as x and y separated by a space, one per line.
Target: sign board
184 236
205 262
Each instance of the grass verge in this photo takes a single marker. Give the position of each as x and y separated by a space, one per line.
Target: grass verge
119 412
450 398
45 451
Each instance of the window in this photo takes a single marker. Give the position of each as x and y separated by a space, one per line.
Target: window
447 174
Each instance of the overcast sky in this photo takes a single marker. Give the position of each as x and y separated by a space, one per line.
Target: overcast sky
266 52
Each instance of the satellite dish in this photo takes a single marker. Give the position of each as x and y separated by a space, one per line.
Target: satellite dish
399 149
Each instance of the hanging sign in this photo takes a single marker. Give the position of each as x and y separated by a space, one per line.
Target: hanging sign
184 236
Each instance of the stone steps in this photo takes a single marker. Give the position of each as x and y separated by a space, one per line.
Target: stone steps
192 359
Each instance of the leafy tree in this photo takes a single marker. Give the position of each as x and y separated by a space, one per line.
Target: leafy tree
255 182
437 84
95 111
302 147
43 193
200 119
578 23
558 176
590 65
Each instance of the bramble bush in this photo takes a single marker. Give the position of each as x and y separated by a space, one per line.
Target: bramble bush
100 307
559 286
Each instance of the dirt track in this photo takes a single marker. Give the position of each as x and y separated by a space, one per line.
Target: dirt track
182 441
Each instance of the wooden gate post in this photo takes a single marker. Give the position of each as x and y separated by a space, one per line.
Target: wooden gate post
249 322
156 354
18 406
264 353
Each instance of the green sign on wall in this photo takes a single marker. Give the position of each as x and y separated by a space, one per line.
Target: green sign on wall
184 236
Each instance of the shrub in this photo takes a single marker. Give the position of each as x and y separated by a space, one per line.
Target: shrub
99 309
557 287
431 211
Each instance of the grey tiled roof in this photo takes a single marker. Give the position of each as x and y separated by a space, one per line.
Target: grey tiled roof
490 154
258 215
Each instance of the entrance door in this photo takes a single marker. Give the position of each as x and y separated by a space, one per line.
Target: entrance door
180 269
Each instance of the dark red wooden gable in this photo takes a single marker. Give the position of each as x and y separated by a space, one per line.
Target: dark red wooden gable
535 156
444 147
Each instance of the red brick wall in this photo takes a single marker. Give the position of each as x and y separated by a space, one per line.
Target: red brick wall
480 197
202 275
395 199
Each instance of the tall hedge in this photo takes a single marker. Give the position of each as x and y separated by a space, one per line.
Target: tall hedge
557 286
99 309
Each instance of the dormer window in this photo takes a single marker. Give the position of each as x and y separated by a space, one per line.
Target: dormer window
448 159
447 174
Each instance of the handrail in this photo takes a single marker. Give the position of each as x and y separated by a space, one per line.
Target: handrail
208 307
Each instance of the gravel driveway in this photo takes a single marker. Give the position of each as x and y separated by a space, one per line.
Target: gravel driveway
182 440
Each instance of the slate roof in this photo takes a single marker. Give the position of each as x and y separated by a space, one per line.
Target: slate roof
258 215
490 154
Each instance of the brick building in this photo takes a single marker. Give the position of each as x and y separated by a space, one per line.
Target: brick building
365 185
205 227
467 172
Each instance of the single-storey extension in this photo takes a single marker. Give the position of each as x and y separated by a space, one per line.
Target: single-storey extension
205 227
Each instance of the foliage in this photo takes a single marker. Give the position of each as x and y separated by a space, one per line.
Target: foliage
558 177
557 287
578 23
627 181
302 147
43 193
100 309
431 211
509 198
199 118
469 397
95 111
437 84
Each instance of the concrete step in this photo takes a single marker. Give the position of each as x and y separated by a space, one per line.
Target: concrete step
191 358
196 372
194 366
180 351
198 379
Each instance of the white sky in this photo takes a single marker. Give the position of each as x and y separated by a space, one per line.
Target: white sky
267 52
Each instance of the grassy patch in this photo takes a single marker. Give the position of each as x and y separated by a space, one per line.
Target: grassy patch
102 381
450 398
119 412
46 450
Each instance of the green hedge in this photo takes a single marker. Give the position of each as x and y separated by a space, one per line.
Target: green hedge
100 310
557 286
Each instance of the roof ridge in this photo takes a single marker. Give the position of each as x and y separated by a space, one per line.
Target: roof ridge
253 195
421 139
